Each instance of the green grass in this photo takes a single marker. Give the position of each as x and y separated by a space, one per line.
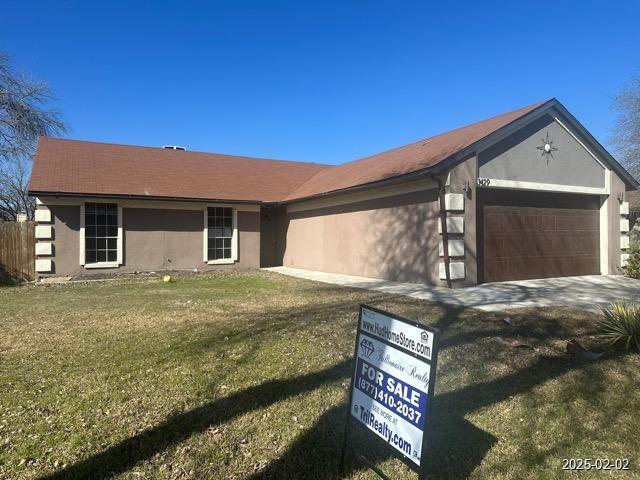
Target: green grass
245 375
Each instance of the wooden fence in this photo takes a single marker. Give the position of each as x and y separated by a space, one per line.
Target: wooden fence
17 251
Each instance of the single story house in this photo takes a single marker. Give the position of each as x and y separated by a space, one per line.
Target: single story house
526 194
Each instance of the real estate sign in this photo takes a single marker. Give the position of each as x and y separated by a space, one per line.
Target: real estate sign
393 380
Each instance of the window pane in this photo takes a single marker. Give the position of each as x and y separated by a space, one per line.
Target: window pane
101 232
220 221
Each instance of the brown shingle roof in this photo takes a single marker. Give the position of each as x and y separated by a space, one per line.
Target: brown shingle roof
78 167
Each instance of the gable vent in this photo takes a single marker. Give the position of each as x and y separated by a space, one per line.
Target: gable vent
174 147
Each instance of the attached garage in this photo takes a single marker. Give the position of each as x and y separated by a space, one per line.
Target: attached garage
538 235
534 197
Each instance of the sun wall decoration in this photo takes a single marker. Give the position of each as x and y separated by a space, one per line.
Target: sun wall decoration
547 148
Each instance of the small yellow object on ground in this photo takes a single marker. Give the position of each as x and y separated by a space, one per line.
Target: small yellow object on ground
166 278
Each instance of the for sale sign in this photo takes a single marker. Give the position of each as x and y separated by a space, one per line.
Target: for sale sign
393 380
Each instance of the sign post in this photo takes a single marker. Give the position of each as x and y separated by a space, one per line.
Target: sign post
392 384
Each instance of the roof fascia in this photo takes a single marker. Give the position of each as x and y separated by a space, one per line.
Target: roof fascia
35 193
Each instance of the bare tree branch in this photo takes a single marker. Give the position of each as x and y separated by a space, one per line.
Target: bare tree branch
626 137
24 116
14 178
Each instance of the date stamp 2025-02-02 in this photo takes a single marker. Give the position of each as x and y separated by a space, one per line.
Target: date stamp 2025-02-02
595 464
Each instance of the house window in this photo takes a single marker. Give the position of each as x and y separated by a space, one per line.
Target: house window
220 233
100 232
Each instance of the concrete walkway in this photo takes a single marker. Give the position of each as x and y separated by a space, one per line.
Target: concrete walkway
588 292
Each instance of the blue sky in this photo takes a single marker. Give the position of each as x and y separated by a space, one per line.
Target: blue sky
317 81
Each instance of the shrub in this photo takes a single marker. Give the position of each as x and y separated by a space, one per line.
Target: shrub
621 325
632 268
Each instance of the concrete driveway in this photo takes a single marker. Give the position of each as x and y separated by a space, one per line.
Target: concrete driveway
588 292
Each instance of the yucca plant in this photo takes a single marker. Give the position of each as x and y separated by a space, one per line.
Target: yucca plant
620 325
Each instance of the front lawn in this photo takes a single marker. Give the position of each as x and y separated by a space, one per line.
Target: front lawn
245 375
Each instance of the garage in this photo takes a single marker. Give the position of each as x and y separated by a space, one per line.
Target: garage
529 235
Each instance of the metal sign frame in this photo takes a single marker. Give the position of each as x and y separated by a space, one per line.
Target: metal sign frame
420 470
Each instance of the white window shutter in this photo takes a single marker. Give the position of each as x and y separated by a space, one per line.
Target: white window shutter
119 246
82 257
205 236
234 240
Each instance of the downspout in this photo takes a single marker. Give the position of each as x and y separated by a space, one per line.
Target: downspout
443 224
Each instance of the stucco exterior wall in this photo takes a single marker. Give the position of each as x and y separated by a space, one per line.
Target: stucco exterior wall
154 239
517 158
66 239
394 238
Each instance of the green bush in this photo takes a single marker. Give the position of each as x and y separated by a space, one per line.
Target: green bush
632 268
621 325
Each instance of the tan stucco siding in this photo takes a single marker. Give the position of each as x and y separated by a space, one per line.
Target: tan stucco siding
66 239
153 239
393 238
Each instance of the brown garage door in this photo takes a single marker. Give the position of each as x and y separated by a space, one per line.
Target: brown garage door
539 235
